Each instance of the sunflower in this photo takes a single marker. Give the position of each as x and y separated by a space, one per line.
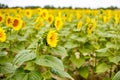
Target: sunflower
50 19
9 21
106 19
91 26
87 19
2 35
1 18
52 38
44 14
28 13
116 20
39 23
58 23
79 25
17 23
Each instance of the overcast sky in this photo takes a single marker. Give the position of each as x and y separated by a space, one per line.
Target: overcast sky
63 3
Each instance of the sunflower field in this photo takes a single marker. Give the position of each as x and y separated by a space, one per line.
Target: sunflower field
59 44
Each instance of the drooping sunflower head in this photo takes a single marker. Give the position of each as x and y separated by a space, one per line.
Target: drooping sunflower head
17 23
2 35
39 23
58 23
9 21
50 19
79 24
116 20
44 14
1 18
91 26
52 38
106 19
87 19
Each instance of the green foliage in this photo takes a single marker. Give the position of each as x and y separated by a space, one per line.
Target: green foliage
77 62
101 68
84 72
117 76
50 61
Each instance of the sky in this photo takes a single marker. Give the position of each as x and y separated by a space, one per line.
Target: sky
63 3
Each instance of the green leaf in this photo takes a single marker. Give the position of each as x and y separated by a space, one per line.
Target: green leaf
117 76
50 61
101 68
61 73
70 45
104 50
21 74
59 50
110 45
3 53
77 62
84 72
33 44
29 66
115 59
26 77
24 55
35 75
46 75
7 68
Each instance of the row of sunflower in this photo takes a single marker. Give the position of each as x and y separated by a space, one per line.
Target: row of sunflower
61 44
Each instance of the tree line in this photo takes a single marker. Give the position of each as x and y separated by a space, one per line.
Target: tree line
52 7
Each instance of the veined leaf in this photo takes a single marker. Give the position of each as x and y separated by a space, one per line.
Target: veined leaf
77 62
84 72
117 76
50 61
61 73
7 68
59 50
115 59
24 55
101 68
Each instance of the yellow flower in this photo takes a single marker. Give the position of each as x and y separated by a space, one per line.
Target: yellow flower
79 25
28 13
9 21
1 18
2 35
87 19
116 20
50 19
52 38
106 19
17 23
58 23
44 14
39 23
91 26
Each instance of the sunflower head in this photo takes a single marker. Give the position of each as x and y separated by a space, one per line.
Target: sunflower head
17 23
9 21
44 14
87 19
39 23
1 18
52 38
79 25
2 35
106 19
58 23
91 26
28 13
50 19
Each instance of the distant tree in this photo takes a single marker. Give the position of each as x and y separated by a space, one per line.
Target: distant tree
3 5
